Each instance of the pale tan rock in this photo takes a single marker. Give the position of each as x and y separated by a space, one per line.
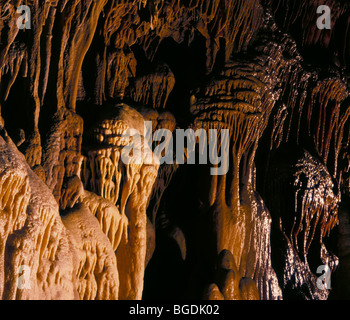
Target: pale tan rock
128 186
95 262
83 58
33 235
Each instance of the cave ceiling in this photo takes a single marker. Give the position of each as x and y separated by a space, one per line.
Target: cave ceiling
174 149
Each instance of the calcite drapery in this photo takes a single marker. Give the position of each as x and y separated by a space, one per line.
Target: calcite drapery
310 212
238 99
126 185
32 234
86 224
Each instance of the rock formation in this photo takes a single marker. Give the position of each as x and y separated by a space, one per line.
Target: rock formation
97 201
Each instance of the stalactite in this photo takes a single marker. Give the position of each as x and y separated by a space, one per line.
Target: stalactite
303 15
153 89
240 99
306 213
62 153
126 185
86 223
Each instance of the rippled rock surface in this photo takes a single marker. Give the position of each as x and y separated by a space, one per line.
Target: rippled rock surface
258 77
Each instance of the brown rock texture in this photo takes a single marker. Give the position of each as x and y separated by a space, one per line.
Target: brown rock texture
100 198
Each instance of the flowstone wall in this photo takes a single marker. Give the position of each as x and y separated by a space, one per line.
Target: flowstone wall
255 86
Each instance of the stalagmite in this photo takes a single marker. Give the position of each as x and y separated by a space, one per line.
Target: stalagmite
91 207
128 186
33 235
239 99
95 263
